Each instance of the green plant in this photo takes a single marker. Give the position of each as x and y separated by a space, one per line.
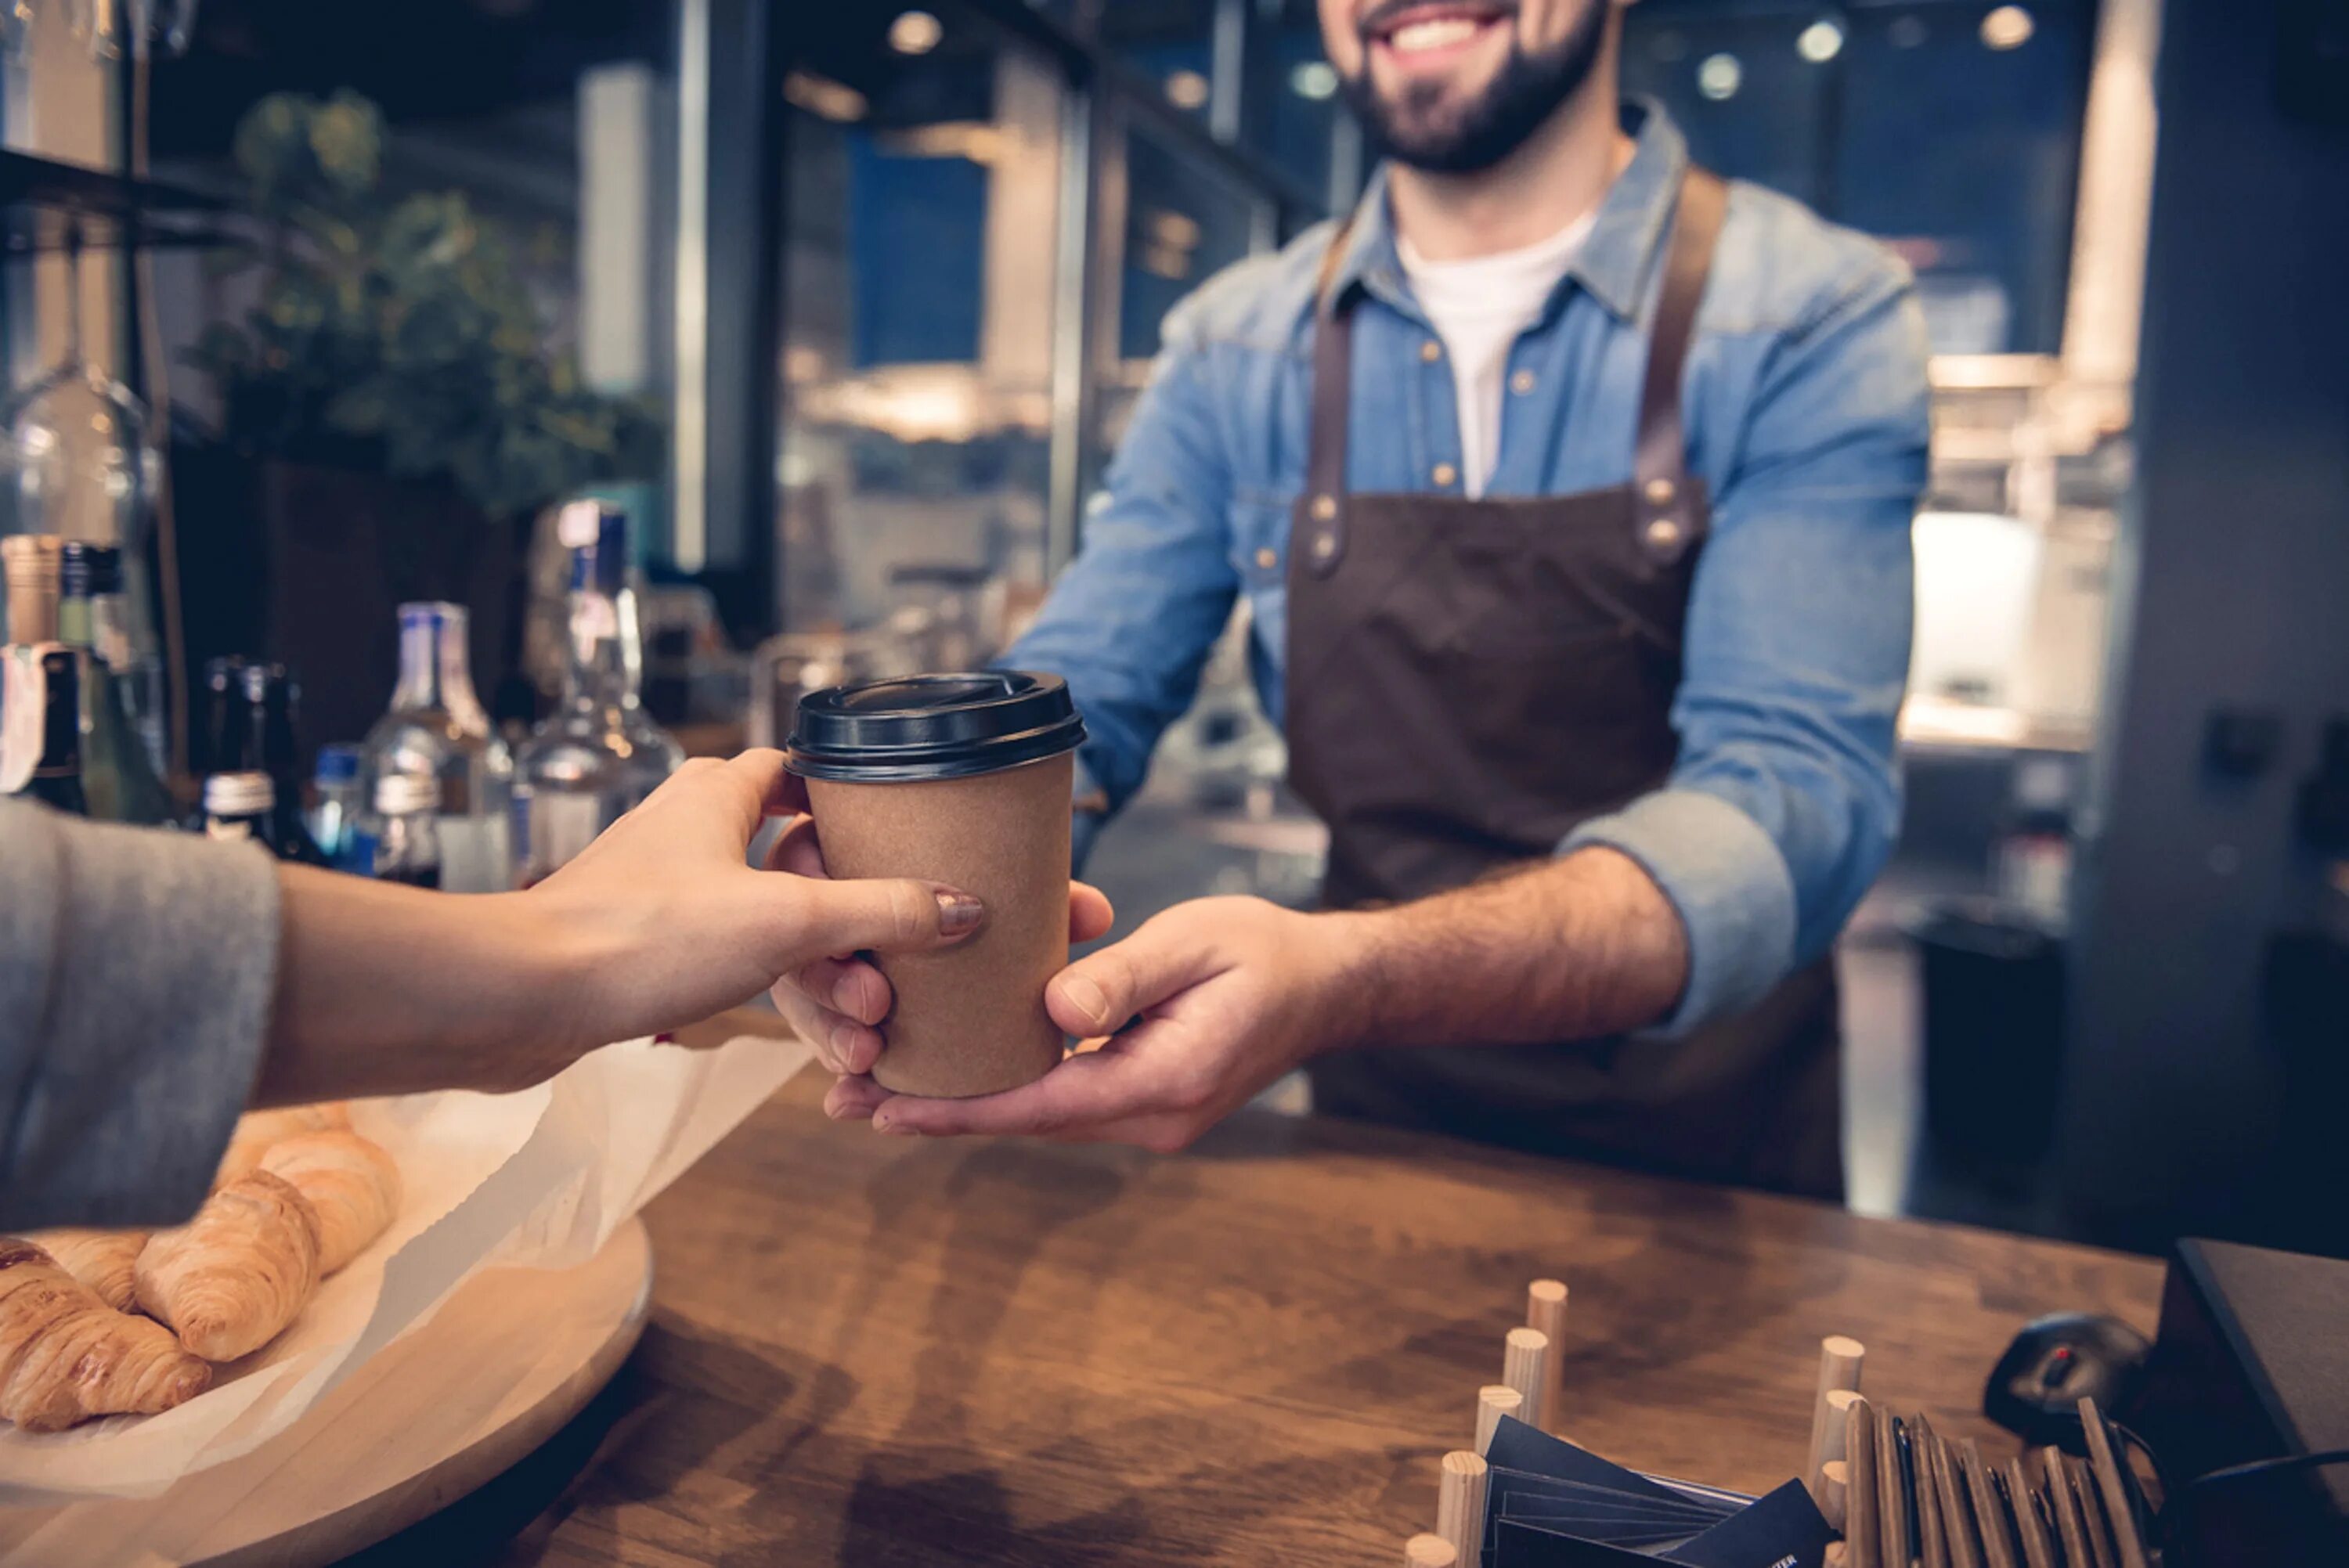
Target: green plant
396 333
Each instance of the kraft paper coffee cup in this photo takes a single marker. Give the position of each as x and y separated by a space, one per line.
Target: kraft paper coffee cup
963 779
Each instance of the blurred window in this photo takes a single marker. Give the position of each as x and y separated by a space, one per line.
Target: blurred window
1171 42
921 200
1950 130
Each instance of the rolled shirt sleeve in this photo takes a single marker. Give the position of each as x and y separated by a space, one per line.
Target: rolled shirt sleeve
1785 802
1727 881
137 969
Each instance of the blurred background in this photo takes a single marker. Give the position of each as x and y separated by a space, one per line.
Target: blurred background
844 308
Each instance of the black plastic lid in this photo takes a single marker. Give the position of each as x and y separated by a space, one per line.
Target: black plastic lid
933 726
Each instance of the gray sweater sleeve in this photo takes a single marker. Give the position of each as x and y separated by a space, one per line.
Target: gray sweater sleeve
136 972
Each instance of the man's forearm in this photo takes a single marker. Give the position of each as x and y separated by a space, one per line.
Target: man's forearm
1573 948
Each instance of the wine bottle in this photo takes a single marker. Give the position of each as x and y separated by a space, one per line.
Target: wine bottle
57 777
270 700
118 775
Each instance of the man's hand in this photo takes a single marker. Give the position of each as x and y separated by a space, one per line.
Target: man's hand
1203 1007
836 1000
1212 1001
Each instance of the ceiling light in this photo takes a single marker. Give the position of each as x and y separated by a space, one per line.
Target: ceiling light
2008 27
1819 43
1186 89
915 33
1315 79
1719 76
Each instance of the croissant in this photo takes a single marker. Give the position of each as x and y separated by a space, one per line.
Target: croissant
256 1130
66 1355
238 1273
350 1181
101 1260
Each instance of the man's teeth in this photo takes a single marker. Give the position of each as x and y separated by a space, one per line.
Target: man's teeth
1438 34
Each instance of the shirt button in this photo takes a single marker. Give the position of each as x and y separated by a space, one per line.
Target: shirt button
1265 558
1522 382
1431 351
1324 507
1443 475
1660 492
1663 534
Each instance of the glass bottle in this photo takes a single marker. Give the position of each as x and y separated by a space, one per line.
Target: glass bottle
270 700
599 753
242 805
118 774
335 812
436 727
219 741
32 565
404 832
47 674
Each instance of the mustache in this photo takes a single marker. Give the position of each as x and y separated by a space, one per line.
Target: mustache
1385 11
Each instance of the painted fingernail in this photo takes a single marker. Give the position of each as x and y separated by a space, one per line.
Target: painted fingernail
959 912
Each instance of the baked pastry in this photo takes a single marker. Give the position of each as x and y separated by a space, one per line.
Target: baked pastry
256 1130
66 1355
230 1279
101 1260
350 1181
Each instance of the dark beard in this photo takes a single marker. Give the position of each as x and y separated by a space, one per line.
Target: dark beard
1525 92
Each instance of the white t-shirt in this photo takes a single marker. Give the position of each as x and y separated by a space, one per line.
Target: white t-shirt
1478 307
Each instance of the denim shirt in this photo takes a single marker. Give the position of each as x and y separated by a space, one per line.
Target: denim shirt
1804 401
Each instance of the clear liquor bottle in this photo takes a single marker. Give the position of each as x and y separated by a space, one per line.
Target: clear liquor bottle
403 834
118 773
436 729
599 753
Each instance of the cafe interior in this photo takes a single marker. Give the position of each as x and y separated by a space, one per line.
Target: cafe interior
848 307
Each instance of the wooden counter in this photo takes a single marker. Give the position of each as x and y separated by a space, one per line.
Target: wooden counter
871 1351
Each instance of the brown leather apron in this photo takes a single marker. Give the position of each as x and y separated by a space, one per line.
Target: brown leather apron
1468 680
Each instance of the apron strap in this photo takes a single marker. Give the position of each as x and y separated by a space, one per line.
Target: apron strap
1669 507
1668 512
1324 540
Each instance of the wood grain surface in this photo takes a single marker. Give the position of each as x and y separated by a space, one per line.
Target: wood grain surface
497 1371
874 1351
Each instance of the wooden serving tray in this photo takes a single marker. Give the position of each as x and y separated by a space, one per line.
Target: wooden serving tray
506 1361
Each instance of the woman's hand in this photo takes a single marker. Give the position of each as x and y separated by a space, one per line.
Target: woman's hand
660 923
835 1001
679 927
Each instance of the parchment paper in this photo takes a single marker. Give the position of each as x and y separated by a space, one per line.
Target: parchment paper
538 1179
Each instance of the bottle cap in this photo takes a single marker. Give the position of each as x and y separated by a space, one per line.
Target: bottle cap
29 563
404 794
338 763
597 534
437 612
85 569
239 795
933 726
259 679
